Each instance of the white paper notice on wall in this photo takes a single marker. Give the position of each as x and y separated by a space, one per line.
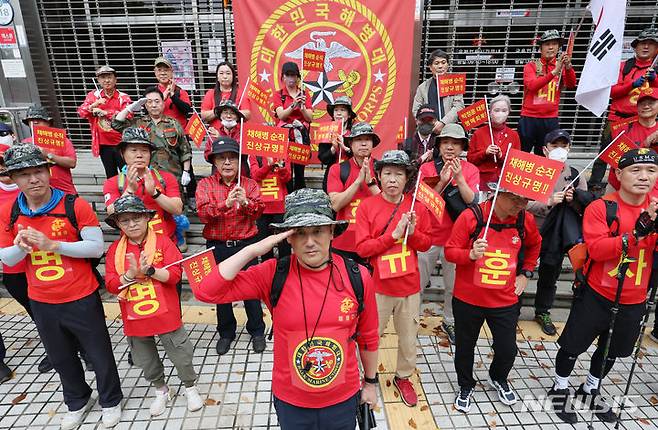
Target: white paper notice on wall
13 69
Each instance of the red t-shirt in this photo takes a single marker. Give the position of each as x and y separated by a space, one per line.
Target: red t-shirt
8 195
541 96
272 184
624 96
638 134
112 193
286 102
477 147
395 265
605 250
60 177
52 277
490 281
346 241
170 108
168 318
208 103
337 321
440 231
102 132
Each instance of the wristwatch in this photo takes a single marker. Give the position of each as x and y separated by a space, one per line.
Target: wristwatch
150 271
156 194
372 182
374 380
528 274
50 156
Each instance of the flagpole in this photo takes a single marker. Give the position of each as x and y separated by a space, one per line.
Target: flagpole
575 33
592 162
413 203
405 129
121 287
203 125
495 197
240 151
438 95
244 92
486 104
95 84
340 147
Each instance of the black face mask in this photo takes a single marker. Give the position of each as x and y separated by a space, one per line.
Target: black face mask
425 128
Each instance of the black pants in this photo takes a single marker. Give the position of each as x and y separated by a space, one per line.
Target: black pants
263 224
16 285
599 167
61 327
533 130
191 187
468 322
546 286
226 322
341 416
298 180
112 160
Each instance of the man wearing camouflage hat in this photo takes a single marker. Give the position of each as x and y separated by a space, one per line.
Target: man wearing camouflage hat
323 307
98 109
59 235
390 233
541 94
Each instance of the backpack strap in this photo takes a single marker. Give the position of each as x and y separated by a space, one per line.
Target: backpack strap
611 215
628 67
280 276
477 211
354 273
69 210
345 169
158 176
13 217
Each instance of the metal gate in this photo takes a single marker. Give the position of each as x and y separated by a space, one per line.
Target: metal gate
489 40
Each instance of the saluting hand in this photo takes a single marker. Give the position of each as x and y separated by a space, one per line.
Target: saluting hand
479 247
264 246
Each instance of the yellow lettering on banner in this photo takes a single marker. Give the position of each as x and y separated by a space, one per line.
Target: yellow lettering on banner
147 307
144 295
496 264
52 262
155 223
641 264
270 187
402 256
548 92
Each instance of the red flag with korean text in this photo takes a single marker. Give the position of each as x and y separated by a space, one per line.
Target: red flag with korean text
614 152
452 84
196 130
431 199
259 96
198 267
530 175
324 132
474 115
313 60
264 141
299 154
49 137
366 55
571 43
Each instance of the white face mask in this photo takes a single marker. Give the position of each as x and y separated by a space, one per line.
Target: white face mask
558 154
229 123
6 140
499 117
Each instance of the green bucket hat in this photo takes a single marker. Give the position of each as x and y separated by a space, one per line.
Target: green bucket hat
363 129
309 207
23 156
36 112
549 35
341 101
395 157
646 34
128 204
228 104
137 136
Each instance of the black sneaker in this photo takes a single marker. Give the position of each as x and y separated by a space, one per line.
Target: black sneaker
5 372
258 344
223 345
563 405
45 365
449 329
597 404
546 324
505 393
464 399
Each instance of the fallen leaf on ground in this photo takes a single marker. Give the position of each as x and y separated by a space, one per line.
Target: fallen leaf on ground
423 325
492 414
479 364
654 400
523 353
532 376
16 400
52 413
381 367
388 382
424 408
493 424
412 423
444 343
540 347
210 402
395 394
644 421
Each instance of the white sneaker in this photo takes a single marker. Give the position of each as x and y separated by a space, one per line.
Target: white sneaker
505 393
194 402
72 419
162 399
111 416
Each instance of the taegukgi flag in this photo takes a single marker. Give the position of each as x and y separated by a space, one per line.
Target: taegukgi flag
603 56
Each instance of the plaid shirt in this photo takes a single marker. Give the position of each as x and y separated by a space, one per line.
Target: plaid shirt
223 223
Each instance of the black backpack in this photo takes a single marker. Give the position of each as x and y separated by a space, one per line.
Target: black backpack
519 225
69 213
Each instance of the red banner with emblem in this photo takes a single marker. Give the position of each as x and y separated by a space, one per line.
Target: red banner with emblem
431 199
198 267
196 130
323 132
313 60
530 175
264 141
452 84
49 137
474 115
614 152
366 44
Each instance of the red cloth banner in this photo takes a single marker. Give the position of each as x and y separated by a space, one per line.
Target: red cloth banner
198 267
431 199
474 115
299 154
366 55
618 126
398 261
614 152
196 130
452 84
570 43
145 300
265 141
324 132
399 137
258 95
49 137
313 60
530 175
271 189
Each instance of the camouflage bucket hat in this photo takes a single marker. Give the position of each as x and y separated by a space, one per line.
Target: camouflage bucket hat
228 104
646 34
341 101
36 112
128 204
137 136
549 35
309 207
23 156
395 157
363 129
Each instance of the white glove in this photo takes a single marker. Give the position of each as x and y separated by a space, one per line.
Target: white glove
137 106
185 178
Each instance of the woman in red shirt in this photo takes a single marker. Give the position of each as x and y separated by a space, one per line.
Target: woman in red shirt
226 88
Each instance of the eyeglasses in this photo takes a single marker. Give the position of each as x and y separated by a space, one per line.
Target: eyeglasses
130 219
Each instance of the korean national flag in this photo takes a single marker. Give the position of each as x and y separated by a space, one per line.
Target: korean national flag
602 64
